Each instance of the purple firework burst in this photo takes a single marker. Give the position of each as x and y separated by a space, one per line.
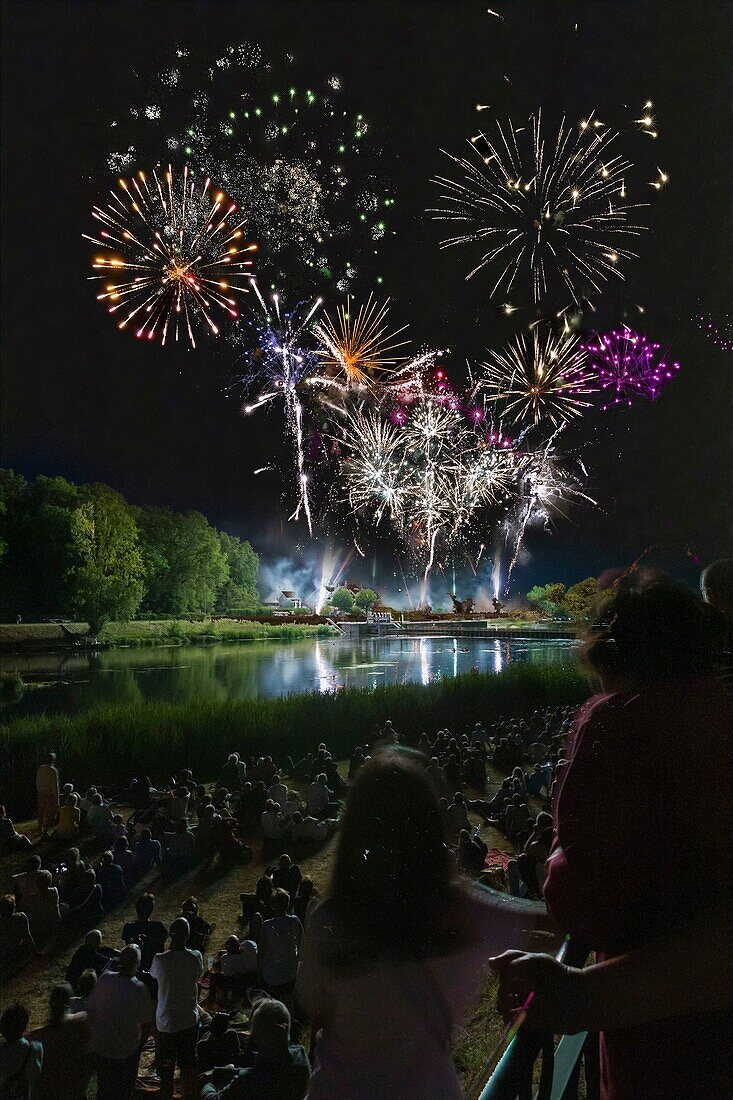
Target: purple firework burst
628 366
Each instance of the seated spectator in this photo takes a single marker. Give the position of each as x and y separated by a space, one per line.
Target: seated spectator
535 781
125 859
259 902
112 881
72 872
471 853
199 930
10 840
16 942
280 1069
65 1040
219 1046
120 1013
99 817
233 774
320 801
224 842
177 807
274 824
69 819
235 969
85 902
394 958
85 985
26 883
178 859
516 885
287 875
118 828
147 853
42 909
356 761
280 947
457 816
149 935
90 956
21 1058
304 898
278 792
293 805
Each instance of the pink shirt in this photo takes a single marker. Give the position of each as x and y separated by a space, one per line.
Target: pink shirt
386 1030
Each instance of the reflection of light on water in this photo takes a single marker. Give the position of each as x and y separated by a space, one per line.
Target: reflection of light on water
325 672
455 656
424 662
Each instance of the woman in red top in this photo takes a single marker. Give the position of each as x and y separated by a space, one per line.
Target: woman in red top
642 817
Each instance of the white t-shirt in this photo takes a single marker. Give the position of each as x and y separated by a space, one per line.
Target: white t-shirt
118 1007
176 973
243 963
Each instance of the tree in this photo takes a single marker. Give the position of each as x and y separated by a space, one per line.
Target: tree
240 589
185 561
108 577
580 600
549 598
366 598
342 599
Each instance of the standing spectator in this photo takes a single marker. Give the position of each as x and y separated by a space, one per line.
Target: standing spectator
177 971
47 791
280 1069
149 935
21 1059
393 959
120 1013
65 1041
281 940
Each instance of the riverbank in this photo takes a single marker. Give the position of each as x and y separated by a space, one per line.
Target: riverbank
27 637
109 743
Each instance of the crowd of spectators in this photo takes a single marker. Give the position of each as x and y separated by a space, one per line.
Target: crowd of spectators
418 903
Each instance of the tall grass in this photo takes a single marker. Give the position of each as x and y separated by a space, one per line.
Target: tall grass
109 744
153 632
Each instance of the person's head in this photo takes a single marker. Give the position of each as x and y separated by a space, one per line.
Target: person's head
44 880
285 861
391 875
87 982
129 960
121 844
51 758
146 835
13 1022
7 906
661 632
181 827
458 798
180 931
233 946
716 585
275 778
190 908
107 859
93 940
73 859
32 864
96 799
306 886
59 1001
270 1026
280 902
144 906
256 925
219 1024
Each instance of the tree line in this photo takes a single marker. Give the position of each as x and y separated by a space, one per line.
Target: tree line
560 602
83 551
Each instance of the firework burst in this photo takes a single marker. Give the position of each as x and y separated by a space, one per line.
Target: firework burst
357 349
281 362
171 255
540 377
628 366
556 209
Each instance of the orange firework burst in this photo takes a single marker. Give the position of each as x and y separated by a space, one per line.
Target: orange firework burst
172 254
356 348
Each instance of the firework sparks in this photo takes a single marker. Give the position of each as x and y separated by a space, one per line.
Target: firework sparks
720 331
555 208
540 377
280 363
628 366
171 255
357 349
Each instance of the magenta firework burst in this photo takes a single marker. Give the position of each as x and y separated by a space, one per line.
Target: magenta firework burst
628 366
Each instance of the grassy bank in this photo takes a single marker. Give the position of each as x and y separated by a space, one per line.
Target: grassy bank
111 743
154 631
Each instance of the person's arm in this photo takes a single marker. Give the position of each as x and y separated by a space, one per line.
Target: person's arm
690 973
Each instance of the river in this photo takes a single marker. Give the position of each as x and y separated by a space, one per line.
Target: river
240 670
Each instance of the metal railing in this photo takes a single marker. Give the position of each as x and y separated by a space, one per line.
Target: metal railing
560 1065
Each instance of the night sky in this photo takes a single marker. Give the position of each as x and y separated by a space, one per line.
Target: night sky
82 400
